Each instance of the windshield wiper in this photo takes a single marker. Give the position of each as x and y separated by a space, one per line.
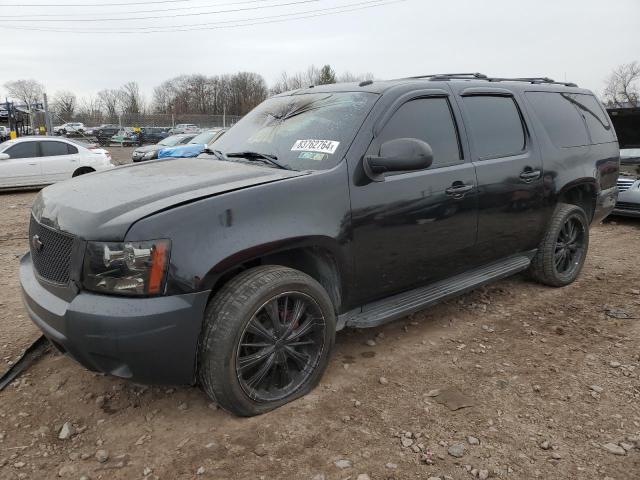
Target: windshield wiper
262 157
217 153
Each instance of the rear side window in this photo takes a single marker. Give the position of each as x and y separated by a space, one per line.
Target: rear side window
430 120
52 149
598 124
23 150
71 150
496 126
560 118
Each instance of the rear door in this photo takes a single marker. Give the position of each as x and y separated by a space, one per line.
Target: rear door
509 169
59 160
415 227
23 166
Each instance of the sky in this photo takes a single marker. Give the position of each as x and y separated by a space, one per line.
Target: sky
89 47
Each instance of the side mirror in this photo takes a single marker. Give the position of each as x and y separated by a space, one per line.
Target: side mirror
4 156
399 155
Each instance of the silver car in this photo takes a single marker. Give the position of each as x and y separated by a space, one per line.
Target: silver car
628 203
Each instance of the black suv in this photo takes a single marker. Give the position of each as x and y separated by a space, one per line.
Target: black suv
345 205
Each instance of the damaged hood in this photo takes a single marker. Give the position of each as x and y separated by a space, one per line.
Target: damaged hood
103 205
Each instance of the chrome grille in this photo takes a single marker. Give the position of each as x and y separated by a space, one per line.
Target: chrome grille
628 206
50 252
625 184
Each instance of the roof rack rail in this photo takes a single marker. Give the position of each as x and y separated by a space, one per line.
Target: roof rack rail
481 76
452 75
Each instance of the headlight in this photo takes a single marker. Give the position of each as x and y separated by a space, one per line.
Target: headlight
127 268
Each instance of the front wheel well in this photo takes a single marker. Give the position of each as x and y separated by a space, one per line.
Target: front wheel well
583 195
82 171
317 262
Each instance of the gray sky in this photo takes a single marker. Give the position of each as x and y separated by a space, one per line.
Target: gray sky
580 40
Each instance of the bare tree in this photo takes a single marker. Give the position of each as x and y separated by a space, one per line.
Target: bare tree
622 86
108 99
64 104
27 91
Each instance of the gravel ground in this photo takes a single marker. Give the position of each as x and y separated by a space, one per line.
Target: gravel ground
547 378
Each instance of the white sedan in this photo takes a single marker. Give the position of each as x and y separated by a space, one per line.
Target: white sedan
36 161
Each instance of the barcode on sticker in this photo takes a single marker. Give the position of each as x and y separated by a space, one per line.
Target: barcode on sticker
322 146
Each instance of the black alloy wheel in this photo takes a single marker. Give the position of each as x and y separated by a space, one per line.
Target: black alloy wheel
280 347
570 246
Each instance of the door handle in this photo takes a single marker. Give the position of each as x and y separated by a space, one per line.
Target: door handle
458 189
530 175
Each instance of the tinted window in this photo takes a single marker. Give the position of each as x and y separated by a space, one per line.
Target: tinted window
597 122
71 150
430 120
495 125
560 118
23 150
51 149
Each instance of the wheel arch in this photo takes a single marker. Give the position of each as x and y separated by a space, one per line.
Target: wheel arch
318 257
583 193
82 170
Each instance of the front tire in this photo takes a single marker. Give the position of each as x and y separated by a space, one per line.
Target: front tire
267 340
563 250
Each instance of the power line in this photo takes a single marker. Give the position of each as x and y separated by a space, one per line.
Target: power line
240 22
110 4
156 17
31 16
219 25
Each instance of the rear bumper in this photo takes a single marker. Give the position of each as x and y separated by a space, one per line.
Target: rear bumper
147 340
605 204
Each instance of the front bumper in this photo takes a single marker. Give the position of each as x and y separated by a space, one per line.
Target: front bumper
147 340
628 204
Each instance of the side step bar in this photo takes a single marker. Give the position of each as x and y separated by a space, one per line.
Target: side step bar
402 304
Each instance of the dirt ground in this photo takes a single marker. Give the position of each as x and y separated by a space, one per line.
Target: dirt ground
552 376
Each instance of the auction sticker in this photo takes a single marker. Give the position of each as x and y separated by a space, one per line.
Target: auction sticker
321 146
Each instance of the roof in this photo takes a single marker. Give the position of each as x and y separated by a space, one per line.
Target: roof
435 81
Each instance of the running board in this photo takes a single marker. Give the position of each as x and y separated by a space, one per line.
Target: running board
403 304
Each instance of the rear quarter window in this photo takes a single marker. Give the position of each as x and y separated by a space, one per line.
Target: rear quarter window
598 124
560 118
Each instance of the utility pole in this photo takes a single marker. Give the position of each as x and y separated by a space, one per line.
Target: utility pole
47 117
224 115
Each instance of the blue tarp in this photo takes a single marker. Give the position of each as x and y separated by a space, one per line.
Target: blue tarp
182 151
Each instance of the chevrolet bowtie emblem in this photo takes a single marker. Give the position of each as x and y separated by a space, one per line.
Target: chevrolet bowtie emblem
36 243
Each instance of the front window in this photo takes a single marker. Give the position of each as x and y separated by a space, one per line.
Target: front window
305 132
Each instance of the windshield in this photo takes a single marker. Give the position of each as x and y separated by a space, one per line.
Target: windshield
171 141
304 132
204 137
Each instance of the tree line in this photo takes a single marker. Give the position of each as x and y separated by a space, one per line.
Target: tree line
231 94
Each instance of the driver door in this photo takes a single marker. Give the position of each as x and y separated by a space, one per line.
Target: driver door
22 168
416 227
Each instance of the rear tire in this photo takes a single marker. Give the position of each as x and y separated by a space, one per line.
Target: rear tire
267 339
563 249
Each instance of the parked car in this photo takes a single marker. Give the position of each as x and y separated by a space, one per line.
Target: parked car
35 161
104 132
195 146
72 128
150 152
184 128
333 206
126 137
153 134
628 203
5 133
